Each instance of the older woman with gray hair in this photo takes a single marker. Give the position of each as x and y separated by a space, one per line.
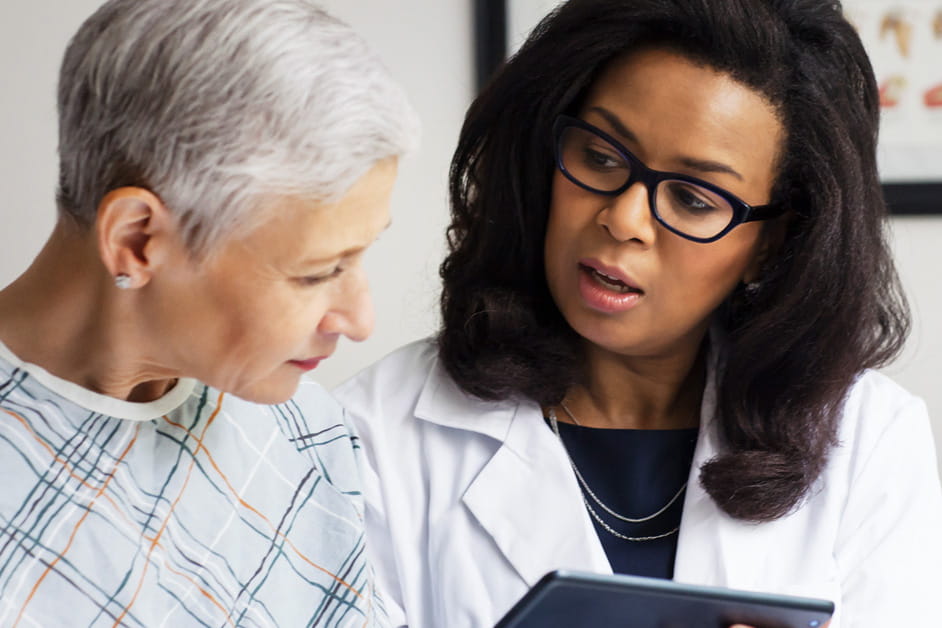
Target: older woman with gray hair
224 164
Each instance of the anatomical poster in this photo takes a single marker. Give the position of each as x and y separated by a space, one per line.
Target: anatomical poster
904 41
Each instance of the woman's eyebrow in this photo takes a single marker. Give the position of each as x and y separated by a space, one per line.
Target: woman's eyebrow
616 124
353 250
699 165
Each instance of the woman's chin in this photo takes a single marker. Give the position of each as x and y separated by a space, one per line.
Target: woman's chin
270 392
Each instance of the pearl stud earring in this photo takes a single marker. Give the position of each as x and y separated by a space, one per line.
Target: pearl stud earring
123 281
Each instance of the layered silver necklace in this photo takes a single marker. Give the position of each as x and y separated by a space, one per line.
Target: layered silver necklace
554 425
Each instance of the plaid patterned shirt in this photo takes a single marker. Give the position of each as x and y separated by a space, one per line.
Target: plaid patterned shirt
198 509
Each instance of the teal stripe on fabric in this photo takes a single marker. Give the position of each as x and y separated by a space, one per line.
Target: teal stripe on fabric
79 524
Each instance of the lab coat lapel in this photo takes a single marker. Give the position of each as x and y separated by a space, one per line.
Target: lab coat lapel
525 496
527 499
713 548
703 540
716 549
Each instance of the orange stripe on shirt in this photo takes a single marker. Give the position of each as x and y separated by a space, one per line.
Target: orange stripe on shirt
64 463
163 527
75 530
199 588
272 526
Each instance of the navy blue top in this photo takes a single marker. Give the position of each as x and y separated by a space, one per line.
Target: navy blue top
635 473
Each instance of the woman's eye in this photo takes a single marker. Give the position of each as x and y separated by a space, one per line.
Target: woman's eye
314 280
600 160
687 198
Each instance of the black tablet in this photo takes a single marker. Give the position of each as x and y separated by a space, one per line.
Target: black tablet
569 599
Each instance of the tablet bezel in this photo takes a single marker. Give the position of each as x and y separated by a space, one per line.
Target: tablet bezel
801 612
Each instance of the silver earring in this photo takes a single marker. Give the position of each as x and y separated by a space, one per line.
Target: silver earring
123 281
753 287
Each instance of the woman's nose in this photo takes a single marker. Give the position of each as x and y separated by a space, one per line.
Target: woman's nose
628 216
351 314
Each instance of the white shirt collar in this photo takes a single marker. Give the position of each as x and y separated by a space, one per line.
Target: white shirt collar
103 404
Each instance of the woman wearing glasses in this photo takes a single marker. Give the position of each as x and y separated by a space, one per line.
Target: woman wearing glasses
666 285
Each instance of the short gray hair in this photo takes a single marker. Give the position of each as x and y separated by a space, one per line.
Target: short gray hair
216 105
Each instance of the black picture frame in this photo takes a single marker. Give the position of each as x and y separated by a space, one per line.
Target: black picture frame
914 199
490 40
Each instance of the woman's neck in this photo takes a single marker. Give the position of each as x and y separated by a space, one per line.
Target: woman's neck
64 315
640 393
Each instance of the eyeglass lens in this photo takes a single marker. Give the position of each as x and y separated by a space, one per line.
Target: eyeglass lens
683 205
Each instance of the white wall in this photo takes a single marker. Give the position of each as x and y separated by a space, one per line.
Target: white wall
919 258
428 46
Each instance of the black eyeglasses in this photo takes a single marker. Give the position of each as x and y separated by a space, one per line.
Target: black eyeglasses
690 207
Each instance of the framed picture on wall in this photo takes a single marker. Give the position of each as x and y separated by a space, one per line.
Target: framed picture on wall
501 26
904 41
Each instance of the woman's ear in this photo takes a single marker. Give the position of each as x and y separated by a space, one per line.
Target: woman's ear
770 242
134 231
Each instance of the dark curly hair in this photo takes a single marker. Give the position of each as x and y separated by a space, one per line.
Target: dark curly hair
830 305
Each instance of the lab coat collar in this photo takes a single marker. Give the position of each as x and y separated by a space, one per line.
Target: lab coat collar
526 496
528 500
528 485
444 403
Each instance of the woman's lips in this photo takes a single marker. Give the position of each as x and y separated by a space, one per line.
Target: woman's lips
607 289
307 365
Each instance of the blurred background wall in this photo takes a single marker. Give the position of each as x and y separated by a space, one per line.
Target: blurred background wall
428 45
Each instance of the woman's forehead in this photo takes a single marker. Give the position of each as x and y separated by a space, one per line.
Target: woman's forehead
673 111
301 231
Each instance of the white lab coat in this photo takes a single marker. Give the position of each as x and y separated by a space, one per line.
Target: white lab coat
471 502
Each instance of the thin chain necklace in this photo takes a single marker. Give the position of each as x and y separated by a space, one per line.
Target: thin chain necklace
589 490
554 425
